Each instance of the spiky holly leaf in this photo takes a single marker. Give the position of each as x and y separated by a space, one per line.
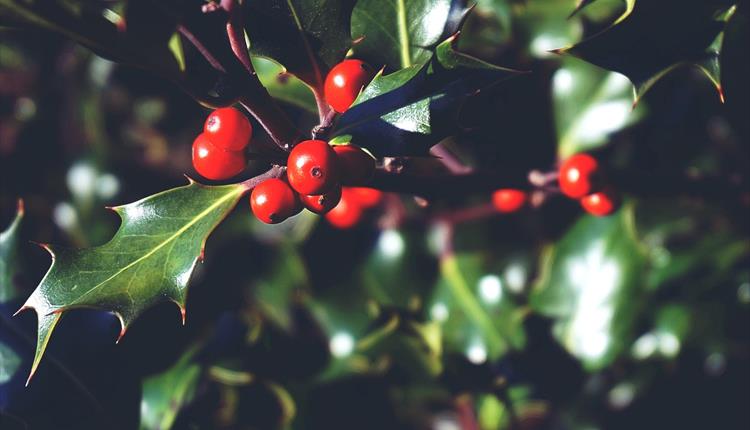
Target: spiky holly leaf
398 34
149 259
408 111
9 263
592 285
642 47
307 37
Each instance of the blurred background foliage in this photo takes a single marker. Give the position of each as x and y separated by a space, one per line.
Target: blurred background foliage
545 319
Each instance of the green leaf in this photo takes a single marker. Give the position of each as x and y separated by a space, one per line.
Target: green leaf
590 103
168 392
399 33
284 86
591 284
9 363
544 25
640 45
150 259
275 292
476 319
408 111
9 264
307 37
688 242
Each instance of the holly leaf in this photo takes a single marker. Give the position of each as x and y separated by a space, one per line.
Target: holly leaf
640 45
590 104
9 262
165 394
408 111
477 321
307 37
283 85
149 259
400 33
591 285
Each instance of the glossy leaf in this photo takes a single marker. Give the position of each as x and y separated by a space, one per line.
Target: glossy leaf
544 25
590 103
477 320
150 259
640 45
9 263
591 284
283 85
165 394
408 111
307 37
399 33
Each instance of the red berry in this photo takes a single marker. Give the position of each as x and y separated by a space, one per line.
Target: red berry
345 81
312 167
356 165
215 163
323 203
579 176
273 201
508 200
367 197
601 203
228 129
347 213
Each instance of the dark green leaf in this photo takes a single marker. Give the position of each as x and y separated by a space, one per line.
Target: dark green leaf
408 111
591 284
640 45
150 259
168 392
399 33
9 263
307 37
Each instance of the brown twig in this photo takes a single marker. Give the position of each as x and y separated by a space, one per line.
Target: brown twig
273 172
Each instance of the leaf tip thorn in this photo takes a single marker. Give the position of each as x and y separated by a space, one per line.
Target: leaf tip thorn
20 207
21 309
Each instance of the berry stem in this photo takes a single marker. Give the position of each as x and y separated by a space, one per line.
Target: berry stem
273 172
449 159
236 33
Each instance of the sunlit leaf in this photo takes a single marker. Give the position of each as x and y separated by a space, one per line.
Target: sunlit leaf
150 259
590 104
591 285
399 33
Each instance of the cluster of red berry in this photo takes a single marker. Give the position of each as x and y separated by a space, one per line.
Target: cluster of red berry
580 177
316 171
315 174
